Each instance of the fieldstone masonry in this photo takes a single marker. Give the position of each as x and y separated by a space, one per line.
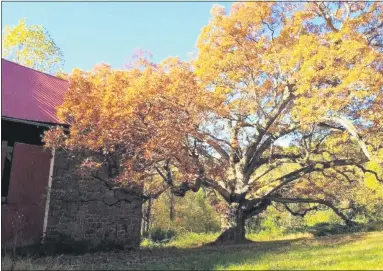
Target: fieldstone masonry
88 214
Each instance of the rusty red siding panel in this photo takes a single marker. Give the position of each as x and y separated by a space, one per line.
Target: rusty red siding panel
27 188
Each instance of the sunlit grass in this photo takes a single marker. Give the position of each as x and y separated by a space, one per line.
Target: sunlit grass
296 251
265 236
365 252
190 240
184 240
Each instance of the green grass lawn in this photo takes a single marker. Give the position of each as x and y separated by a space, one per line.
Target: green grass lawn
343 252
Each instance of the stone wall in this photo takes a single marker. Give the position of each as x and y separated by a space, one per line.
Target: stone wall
88 214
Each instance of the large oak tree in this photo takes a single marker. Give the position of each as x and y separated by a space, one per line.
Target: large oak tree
282 105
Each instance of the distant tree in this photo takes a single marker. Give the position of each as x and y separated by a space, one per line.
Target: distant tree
309 73
31 46
192 213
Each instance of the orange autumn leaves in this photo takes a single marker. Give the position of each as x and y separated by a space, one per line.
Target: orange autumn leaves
247 53
263 67
143 114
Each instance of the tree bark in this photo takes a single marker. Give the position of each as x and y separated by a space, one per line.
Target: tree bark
147 216
171 211
235 227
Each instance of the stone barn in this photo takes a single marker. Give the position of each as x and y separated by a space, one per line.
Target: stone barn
42 202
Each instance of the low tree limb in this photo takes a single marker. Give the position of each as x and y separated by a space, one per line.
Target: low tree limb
301 214
354 133
319 201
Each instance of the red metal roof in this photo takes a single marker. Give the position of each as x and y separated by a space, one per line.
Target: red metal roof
28 94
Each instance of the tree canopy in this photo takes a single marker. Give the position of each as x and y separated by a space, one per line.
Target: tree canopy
31 46
282 105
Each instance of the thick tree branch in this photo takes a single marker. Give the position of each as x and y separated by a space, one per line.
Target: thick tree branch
185 186
319 201
365 170
252 149
155 195
254 161
235 153
302 213
315 166
256 207
222 191
212 143
352 130
278 156
327 18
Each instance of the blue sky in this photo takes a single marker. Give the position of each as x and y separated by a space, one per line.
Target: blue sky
94 32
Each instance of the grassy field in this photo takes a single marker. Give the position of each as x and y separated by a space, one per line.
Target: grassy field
343 252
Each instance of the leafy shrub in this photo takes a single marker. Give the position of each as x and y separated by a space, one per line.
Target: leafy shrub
159 235
193 213
275 223
374 226
323 229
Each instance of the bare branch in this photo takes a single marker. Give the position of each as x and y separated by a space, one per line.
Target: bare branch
222 191
302 213
161 174
319 201
318 166
327 18
253 156
365 170
256 207
212 143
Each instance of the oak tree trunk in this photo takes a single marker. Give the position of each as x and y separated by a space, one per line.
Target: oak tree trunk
235 227
172 210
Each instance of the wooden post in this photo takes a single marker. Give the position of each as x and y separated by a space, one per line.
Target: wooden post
48 200
4 145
